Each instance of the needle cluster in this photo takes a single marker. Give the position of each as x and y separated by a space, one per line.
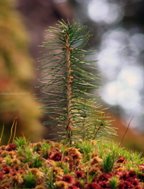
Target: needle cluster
68 80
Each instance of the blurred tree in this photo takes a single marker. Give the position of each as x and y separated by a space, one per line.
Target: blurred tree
17 102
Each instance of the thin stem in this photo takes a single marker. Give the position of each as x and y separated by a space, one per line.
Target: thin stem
2 132
123 137
11 132
69 80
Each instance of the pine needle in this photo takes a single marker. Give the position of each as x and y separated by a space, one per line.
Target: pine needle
67 82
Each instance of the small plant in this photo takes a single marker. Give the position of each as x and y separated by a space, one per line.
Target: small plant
67 82
29 180
8 160
45 147
26 153
64 166
36 161
50 179
108 162
20 142
114 183
86 148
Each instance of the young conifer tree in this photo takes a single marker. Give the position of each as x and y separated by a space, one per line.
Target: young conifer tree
67 82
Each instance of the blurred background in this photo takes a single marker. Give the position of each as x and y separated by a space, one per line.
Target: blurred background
118 28
118 42
118 38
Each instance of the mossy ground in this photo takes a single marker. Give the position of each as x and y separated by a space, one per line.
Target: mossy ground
84 165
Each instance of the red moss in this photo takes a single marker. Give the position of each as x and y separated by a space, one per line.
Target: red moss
1 175
104 177
69 179
6 169
76 178
11 147
128 185
93 185
121 159
56 156
73 187
80 174
132 173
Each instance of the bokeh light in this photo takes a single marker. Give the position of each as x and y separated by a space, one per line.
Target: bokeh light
119 58
104 11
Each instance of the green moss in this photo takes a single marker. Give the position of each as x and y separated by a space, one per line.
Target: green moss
108 162
132 158
29 180
113 182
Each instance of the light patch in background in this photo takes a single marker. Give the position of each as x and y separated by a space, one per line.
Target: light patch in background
112 54
132 76
123 91
102 11
118 61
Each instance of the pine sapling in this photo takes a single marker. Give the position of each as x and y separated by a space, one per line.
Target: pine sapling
67 82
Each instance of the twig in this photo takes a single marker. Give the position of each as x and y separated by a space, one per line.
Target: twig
11 131
2 132
128 126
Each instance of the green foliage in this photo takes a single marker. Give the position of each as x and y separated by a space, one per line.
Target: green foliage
29 180
45 147
113 183
85 162
86 148
8 160
107 147
26 153
67 83
20 142
36 161
64 166
108 162
50 179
